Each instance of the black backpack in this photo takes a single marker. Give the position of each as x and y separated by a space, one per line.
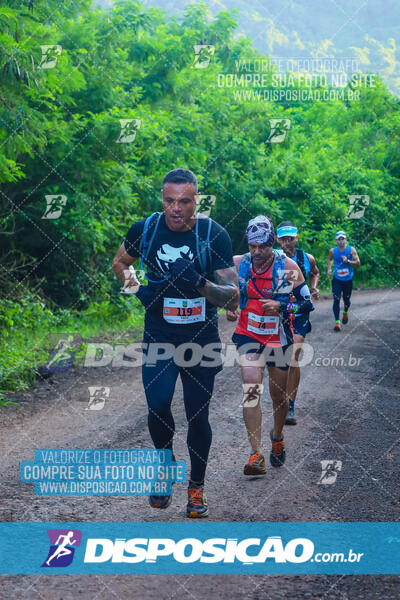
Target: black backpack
300 255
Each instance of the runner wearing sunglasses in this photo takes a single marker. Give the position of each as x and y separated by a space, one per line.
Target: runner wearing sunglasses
287 238
272 288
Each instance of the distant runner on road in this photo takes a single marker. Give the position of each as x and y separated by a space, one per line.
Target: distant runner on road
190 273
287 237
271 288
343 258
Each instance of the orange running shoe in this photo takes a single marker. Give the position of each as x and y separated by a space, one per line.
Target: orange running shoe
256 465
197 502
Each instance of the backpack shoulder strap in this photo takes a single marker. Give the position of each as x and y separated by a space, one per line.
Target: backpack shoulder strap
149 232
203 248
300 255
244 272
244 267
279 259
280 283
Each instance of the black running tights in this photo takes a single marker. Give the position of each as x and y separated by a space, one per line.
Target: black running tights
198 383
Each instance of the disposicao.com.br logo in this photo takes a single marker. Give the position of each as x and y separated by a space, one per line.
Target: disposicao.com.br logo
247 551
62 547
213 547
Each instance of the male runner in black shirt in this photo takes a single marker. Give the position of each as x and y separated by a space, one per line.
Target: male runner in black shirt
190 272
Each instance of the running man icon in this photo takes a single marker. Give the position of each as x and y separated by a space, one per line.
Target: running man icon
62 357
62 542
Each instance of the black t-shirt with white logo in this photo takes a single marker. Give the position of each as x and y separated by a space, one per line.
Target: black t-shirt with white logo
167 246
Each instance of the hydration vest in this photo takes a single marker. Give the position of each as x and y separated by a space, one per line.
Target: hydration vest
281 287
203 248
301 259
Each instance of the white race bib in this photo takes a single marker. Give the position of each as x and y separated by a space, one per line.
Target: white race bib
343 272
263 325
179 310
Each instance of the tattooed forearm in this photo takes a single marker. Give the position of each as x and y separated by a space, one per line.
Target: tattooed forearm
224 292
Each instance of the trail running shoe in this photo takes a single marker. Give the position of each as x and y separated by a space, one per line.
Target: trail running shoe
290 418
337 326
256 465
278 454
160 501
345 318
197 506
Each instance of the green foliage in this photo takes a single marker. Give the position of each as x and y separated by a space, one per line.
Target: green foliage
59 132
23 324
366 32
28 326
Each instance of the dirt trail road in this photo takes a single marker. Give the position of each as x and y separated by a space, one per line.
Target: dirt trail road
348 410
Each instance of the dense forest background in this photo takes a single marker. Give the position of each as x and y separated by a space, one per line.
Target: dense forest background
368 32
61 138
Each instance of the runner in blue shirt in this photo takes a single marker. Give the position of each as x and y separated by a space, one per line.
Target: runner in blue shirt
288 238
343 258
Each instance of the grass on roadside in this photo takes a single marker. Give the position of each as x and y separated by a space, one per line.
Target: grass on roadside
28 331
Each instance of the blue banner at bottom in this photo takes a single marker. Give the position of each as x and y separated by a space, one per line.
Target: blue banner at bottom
198 547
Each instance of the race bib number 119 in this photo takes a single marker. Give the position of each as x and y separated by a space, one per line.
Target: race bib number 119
179 310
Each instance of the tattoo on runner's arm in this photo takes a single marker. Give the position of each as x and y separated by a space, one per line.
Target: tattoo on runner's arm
224 292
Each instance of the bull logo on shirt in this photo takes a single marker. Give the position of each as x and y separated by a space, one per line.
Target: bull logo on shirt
166 255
